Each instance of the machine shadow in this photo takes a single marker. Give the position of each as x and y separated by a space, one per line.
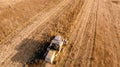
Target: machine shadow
30 51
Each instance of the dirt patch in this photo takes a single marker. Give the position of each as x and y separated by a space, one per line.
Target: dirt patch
116 2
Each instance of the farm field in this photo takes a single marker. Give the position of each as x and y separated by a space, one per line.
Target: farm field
92 28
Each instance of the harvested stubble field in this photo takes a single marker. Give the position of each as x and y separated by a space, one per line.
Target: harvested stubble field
15 17
92 28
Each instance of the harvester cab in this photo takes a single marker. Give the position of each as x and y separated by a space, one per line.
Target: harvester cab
54 48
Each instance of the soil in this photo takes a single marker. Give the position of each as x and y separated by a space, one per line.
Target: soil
92 28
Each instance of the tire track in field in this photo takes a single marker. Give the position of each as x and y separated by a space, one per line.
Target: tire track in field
79 31
86 43
106 51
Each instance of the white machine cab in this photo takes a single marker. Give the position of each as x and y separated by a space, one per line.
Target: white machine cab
54 48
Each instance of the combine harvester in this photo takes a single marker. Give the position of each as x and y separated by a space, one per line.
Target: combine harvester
54 49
